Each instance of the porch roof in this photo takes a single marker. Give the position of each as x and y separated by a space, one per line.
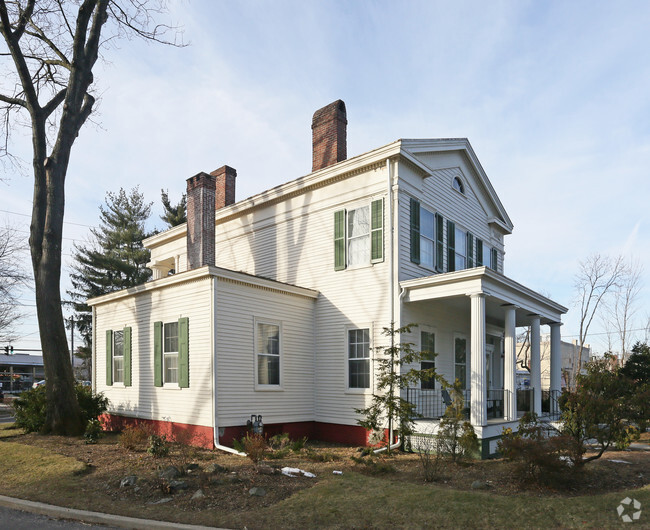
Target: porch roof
499 290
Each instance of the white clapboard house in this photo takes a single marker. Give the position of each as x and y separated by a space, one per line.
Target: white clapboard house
274 306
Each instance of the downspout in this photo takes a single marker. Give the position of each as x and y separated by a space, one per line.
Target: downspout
391 284
93 375
213 361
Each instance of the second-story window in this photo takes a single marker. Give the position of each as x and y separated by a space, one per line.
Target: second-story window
426 234
461 250
359 235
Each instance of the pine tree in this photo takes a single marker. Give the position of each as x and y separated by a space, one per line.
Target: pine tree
114 259
174 215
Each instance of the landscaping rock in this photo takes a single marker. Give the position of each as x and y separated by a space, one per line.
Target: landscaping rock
480 485
215 468
265 470
170 473
257 492
161 501
191 467
128 481
198 494
177 485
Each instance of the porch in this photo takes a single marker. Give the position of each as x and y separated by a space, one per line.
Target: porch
472 317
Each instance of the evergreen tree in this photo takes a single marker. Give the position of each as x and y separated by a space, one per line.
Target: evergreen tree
174 215
114 259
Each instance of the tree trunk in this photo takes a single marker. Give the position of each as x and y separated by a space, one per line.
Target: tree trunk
62 410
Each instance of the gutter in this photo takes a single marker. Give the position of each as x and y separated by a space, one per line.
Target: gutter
213 362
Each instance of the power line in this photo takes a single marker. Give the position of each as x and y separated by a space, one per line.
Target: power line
64 222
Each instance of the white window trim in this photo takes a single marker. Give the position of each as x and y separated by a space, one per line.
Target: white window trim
371 358
460 335
365 203
166 384
434 331
117 383
260 387
433 212
458 228
462 183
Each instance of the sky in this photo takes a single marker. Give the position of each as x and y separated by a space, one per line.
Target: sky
552 95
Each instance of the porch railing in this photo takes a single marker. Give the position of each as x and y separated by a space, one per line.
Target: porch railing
432 404
550 403
496 403
525 400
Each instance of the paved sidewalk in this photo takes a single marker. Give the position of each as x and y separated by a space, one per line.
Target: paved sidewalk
92 517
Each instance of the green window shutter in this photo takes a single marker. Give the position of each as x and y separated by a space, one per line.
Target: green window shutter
127 356
109 357
479 253
451 246
377 231
470 250
415 231
157 353
495 258
183 353
440 243
339 240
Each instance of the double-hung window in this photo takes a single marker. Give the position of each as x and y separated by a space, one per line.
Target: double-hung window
359 358
170 352
118 357
359 235
268 354
427 246
460 360
427 348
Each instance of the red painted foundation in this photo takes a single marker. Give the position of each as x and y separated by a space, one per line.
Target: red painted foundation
202 435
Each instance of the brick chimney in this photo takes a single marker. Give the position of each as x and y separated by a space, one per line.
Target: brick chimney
329 135
200 220
225 191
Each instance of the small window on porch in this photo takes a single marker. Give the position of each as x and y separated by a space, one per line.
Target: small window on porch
428 348
460 360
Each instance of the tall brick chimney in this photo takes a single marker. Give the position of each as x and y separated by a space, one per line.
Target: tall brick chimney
329 135
225 191
200 220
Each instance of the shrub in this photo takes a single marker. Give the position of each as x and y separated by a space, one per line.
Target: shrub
537 455
255 447
158 446
134 437
456 436
93 431
30 407
428 451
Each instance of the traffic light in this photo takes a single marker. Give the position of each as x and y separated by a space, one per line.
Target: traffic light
6 350
9 350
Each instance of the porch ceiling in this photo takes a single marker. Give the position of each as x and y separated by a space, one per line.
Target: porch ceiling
500 292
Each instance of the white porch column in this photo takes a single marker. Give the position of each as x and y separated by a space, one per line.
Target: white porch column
510 365
535 366
556 364
478 396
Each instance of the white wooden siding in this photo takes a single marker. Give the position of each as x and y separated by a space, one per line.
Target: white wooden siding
142 400
238 306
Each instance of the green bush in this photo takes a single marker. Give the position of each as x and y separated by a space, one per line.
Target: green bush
93 431
30 407
158 446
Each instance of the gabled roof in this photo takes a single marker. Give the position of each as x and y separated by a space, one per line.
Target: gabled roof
404 148
435 145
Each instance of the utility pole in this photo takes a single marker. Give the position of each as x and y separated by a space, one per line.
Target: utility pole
72 343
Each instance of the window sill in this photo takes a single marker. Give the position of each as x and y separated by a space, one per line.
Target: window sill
358 391
170 386
119 384
269 388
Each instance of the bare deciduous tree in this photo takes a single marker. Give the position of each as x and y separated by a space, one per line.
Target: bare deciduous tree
12 277
51 48
597 277
621 307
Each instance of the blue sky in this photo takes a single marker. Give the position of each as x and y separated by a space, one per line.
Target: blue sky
552 95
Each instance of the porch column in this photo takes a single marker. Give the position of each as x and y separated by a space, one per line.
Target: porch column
478 395
556 364
510 364
535 365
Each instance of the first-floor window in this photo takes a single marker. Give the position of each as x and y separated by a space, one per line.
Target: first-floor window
118 356
268 354
359 358
427 348
170 352
460 358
